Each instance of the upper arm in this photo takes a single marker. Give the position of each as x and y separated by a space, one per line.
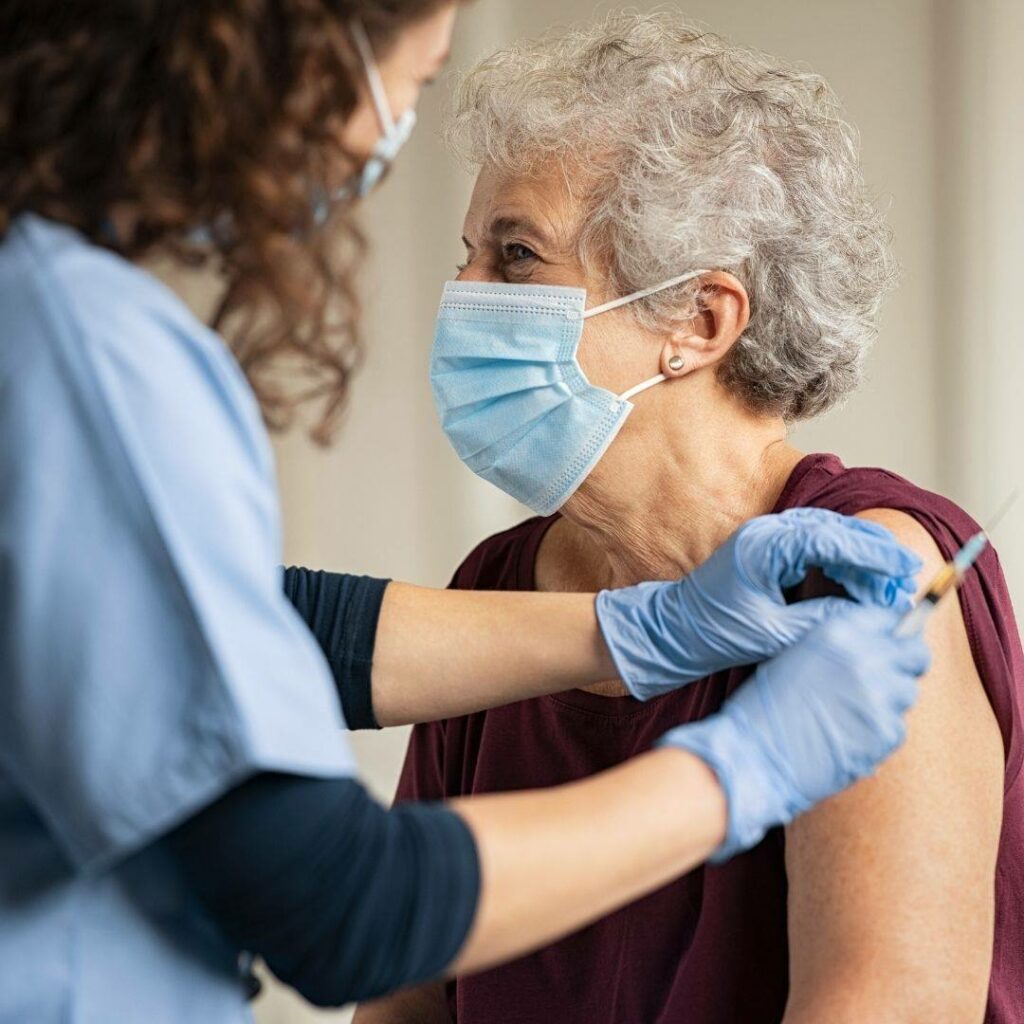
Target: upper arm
343 899
891 883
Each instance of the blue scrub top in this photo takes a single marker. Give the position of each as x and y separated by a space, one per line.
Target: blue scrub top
148 658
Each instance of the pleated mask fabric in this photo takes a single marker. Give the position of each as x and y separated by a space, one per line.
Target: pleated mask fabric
510 393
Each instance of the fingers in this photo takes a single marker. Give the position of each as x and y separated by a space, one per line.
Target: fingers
870 631
874 588
818 516
869 544
861 630
839 544
852 551
862 621
895 735
912 654
776 551
801 618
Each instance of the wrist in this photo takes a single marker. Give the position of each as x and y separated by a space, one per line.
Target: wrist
704 816
601 654
732 757
649 657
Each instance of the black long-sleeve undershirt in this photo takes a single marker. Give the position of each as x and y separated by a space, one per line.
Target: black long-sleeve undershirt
343 899
342 612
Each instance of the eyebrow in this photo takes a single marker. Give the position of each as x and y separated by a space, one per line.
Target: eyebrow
501 227
510 225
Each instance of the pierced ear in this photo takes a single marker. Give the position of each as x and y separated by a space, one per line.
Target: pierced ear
686 349
673 362
710 335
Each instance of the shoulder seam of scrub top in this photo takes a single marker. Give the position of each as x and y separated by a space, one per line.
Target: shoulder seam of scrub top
50 304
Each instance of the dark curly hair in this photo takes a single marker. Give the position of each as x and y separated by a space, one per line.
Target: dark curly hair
163 115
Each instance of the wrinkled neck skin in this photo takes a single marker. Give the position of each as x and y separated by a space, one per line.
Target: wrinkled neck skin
688 468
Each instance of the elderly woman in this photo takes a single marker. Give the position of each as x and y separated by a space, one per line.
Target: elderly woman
616 159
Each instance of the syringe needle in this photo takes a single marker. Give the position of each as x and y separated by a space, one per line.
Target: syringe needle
949 577
999 516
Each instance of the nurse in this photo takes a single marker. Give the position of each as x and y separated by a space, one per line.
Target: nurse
176 793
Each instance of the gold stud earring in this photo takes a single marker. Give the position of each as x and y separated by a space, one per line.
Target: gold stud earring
676 363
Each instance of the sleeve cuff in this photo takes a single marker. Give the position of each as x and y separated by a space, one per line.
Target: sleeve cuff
343 613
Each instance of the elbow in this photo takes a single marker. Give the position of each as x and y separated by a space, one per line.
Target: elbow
330 990
320 996
324 990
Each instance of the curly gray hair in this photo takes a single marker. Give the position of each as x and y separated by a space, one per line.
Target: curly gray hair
698 153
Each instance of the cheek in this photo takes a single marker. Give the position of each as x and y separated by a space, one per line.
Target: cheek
616 355
404 96
362 130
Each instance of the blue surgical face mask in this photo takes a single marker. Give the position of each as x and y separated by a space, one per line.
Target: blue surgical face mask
395 134
512 398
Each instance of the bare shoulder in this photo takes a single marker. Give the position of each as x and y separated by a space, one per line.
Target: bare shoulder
910 532
953 687
892 882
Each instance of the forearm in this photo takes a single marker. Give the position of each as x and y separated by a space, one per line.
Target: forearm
424 1005
555 860
346 901
441 654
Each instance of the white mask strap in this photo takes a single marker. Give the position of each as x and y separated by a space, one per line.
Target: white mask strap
633 392
637 296
373 79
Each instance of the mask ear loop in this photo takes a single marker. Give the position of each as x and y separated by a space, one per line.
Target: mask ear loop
636 297
633 392
373 78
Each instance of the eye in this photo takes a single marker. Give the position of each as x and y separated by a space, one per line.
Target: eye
516 252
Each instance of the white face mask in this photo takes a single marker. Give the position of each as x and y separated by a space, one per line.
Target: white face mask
395 133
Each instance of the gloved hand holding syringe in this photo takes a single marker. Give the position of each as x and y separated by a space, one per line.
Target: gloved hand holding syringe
951 574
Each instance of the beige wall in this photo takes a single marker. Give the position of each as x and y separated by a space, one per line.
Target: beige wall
936 89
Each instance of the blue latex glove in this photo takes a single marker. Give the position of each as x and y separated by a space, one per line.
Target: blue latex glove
731 610
810 722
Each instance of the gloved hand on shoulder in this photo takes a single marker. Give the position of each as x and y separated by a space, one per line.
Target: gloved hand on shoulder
810 722
731 610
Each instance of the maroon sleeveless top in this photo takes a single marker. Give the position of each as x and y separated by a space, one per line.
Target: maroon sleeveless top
710 948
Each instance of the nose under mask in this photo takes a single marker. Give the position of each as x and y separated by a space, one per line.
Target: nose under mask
511 395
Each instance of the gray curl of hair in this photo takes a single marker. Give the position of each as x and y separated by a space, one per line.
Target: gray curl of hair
696 153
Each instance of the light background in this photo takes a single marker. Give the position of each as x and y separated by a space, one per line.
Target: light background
937 90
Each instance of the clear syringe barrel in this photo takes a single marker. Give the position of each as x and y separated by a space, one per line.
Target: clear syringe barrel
948 579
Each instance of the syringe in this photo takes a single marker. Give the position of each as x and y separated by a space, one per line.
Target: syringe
950 576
